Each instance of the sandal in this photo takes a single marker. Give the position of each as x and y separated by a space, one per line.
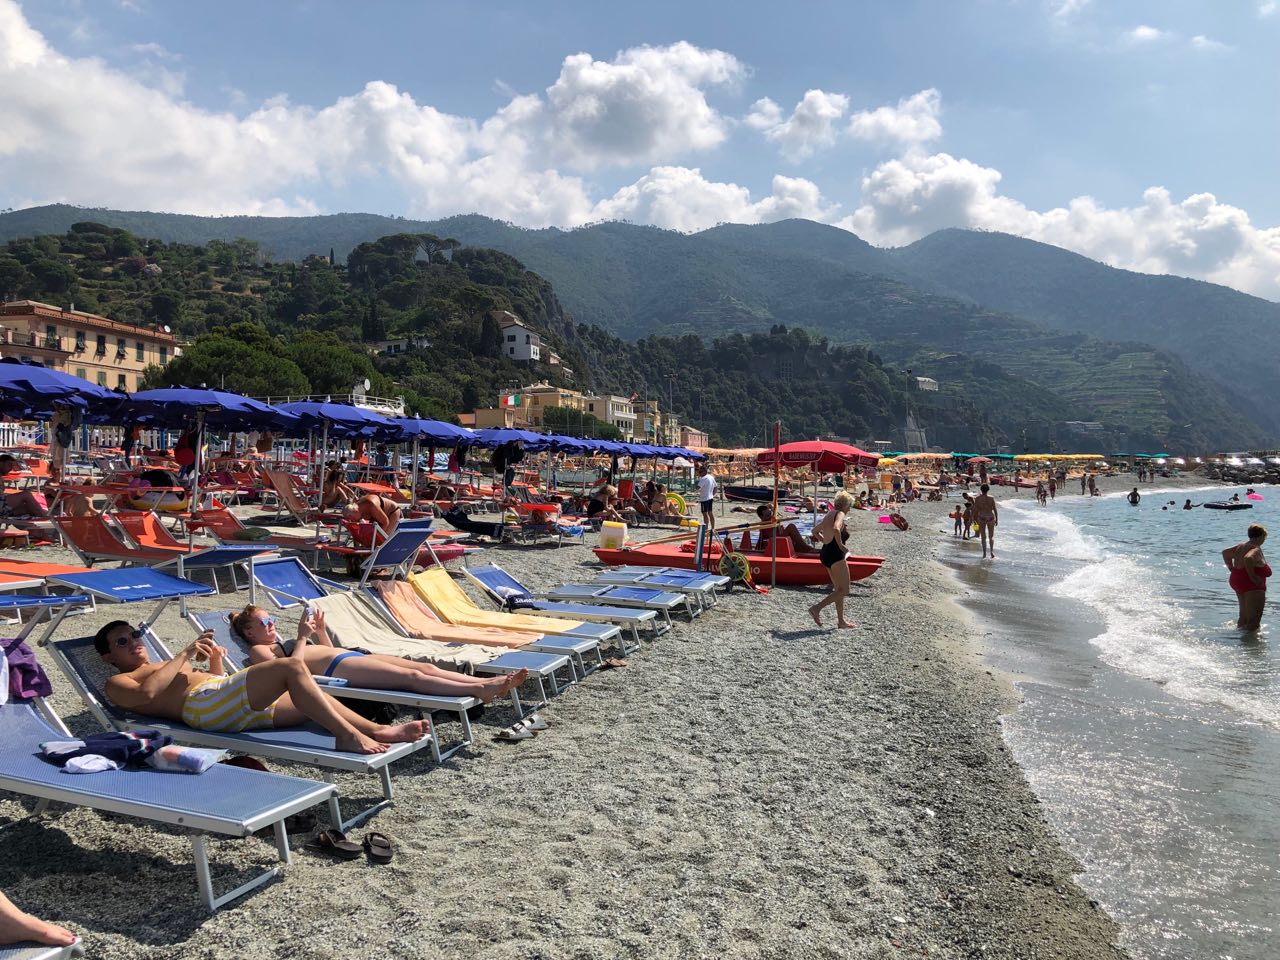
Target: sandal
378 847
514 734
336 844
613 663
533 722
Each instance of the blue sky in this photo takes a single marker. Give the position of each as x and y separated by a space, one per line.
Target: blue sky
1145 134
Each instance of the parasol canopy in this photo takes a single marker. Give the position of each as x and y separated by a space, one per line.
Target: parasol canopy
31 389
822 455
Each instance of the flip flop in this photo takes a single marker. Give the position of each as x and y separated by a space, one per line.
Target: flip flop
514 734
336 844
379 848
613 663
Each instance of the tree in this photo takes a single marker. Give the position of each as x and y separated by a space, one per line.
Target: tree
166 307
575 423
372 328
221 360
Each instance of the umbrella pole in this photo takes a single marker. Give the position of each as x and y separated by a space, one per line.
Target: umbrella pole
773 561
413 485
199 465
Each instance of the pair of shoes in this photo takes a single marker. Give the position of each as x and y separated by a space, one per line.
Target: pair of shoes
613 663
526 729
335 843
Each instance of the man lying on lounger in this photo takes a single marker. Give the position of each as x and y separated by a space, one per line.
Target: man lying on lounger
281 693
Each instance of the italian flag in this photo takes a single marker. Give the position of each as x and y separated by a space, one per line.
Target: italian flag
511 400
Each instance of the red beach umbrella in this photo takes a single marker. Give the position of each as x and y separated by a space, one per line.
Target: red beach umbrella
979 460
823 455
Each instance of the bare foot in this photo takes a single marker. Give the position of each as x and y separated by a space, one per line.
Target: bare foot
17 926
847 626
814 613
359 744
409 732
499 686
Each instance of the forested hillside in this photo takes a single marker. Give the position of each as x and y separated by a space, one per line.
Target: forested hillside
1003 374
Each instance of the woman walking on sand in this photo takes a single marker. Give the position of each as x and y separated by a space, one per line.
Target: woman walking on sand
986 517
830 532
1249 572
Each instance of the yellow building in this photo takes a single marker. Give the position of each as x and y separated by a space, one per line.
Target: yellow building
102 351
531 401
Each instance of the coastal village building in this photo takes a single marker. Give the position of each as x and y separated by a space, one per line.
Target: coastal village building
518 341
618 411
394 348
693 437
532 401
103 351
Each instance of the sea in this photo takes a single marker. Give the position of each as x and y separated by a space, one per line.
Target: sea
1149 724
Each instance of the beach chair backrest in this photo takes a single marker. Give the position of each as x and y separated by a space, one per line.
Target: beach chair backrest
399 549
282 483
91 537
88 672
146 530
401 603
445 598
225 636
499 584
220 520
287 581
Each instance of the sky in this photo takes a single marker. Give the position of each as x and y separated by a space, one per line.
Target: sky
1142 133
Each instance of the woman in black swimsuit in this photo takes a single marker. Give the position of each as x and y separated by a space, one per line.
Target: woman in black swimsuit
830 532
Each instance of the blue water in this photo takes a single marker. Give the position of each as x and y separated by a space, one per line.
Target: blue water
1150 725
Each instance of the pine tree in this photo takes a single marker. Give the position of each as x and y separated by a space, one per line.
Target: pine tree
371 327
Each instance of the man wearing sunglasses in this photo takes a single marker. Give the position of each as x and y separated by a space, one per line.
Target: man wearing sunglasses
279 693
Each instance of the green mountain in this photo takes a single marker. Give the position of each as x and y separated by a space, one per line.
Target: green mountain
639 281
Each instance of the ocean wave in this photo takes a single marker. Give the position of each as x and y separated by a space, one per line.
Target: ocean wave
1149 635
1057 534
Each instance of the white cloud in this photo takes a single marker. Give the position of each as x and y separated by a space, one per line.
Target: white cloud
1208 45
906 198
810 127
914 120
1267 8
155 50
680 199
1066 9
1146 34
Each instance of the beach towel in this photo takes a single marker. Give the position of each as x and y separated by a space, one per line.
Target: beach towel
121 749
416 618
449 603
353 625
27 678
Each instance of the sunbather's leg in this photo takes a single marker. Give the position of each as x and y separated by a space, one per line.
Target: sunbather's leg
17 926
288 685
395 673
798 543
24 504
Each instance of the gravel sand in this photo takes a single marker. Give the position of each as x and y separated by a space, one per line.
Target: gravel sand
748 786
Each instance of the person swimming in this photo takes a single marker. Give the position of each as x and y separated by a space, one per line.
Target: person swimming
1188 505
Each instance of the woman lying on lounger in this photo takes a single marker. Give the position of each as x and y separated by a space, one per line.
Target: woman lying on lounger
372 670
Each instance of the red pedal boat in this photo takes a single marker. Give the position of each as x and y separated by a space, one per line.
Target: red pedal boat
792 570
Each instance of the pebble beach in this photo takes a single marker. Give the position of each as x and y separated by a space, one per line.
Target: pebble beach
747 786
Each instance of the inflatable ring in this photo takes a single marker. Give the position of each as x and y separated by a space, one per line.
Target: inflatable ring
735 567
159 502
899 521
679 502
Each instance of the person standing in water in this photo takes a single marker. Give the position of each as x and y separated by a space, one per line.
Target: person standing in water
1134 497
830 532
986 516
1249 573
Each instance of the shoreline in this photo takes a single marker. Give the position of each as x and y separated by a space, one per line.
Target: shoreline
748 786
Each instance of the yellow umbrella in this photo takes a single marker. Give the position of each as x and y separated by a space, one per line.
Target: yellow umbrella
886 462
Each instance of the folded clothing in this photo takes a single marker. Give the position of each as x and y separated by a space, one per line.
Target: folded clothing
123 748
27 678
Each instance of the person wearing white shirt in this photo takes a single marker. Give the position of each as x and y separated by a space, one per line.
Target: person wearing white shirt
707 496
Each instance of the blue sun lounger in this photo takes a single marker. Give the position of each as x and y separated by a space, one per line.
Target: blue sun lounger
699 585
238 656
310 744
510 594
580 599
225 800
289 583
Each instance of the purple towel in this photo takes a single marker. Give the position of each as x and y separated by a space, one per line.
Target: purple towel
27 678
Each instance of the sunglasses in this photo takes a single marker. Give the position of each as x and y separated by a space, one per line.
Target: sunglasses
267 621
131 637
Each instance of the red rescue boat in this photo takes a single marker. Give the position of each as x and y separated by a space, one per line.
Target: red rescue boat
792 570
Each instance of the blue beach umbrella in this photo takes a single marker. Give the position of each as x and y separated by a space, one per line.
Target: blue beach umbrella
31 389
497 436
340 419
218 409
